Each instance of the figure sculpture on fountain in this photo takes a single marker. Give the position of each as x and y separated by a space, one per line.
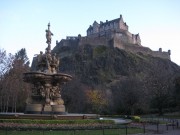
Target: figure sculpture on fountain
48 63
48 36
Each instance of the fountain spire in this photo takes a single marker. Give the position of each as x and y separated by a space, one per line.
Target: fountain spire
48 37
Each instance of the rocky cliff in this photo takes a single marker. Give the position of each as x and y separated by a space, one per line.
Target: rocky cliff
109 70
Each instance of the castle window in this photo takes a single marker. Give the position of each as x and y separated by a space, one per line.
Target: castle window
115 25
112 25
107 27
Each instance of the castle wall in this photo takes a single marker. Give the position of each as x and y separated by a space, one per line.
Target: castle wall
126 38
71 42
123 25
94 41
133 38
119 41
164 55
147 51
138 40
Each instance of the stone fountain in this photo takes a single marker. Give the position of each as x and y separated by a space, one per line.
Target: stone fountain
47 81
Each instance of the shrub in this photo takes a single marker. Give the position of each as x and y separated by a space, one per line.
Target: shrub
136 118
99 50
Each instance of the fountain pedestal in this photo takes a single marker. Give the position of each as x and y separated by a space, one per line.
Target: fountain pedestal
47 109
45 97
34 108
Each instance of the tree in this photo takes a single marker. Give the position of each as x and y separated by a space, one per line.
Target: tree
97 100
20 66
160 86
74 96
5 62
128 96
21 55
5 66
13 90
177 92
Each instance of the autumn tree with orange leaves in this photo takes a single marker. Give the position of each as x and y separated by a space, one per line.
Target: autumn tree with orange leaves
97 100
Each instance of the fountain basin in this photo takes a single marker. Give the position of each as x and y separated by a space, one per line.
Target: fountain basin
34 77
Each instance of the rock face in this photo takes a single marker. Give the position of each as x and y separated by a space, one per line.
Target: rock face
112 62
102 67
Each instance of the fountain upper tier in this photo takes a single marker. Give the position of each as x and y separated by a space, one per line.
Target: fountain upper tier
34 77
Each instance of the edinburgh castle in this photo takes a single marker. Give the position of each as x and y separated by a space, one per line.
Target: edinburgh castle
112 33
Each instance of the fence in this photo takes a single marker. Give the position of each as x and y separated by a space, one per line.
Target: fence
114 130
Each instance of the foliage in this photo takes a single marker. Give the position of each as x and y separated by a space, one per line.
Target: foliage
97 100
177 92
99 50
14 91
5 62
22 56
129 94
136 118
73 94
160 85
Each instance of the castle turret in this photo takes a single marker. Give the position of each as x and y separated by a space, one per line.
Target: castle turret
122 24
138 39
95 27
169 52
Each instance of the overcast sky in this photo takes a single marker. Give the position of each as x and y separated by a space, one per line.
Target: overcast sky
23 22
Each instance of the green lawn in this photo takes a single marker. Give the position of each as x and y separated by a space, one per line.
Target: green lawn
74 132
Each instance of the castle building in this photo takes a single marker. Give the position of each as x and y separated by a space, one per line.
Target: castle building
109 28
115 34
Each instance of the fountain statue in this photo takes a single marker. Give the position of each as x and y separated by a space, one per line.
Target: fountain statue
47 81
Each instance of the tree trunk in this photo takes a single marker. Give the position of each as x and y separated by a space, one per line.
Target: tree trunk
1 103
7 103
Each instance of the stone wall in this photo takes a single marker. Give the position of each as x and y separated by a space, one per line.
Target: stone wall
164 55
118 40
94 41
134 48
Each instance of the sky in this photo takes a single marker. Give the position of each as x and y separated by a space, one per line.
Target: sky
23 22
